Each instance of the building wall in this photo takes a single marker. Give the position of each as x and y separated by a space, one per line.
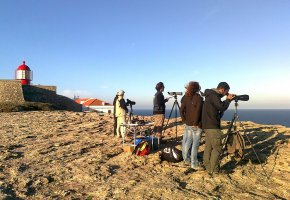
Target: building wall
11 90
105 109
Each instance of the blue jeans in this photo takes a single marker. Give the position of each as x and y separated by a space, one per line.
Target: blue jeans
190 144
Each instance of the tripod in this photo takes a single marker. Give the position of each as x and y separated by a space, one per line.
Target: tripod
232 129
130 113
175 105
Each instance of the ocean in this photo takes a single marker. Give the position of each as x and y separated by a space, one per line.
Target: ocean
260 116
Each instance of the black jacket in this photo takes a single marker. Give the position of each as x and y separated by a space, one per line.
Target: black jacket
213 109
190 110
159 103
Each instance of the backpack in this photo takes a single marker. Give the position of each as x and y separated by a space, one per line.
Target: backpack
142 148
171 154
236 145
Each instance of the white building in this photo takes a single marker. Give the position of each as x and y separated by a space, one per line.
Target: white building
93 104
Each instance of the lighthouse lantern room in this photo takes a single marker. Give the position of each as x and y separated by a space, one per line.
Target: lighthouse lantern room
24 74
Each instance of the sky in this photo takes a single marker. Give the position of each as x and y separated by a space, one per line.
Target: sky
93 48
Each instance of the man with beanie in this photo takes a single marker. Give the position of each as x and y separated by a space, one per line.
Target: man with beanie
212 112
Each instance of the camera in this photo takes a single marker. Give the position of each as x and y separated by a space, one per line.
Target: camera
244 97
174 93
129 102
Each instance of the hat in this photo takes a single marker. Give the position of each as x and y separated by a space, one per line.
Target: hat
120 93
223 85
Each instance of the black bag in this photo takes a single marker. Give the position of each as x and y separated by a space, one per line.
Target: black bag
236 145
171 154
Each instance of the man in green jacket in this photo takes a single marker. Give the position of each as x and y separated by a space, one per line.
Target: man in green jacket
212 112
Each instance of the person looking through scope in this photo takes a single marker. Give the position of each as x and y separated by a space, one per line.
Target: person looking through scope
190 112
121 110
159 110
212 112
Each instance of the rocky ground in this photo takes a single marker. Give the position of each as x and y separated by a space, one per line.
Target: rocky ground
68 155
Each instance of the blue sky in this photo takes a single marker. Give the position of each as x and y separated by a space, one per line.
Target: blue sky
93 48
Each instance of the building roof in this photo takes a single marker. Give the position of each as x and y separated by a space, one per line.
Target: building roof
23 67
92 102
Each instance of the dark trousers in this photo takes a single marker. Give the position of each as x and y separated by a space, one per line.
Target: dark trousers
213 148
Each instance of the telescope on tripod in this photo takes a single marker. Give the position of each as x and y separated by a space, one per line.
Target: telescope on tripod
130 103
175 107
233 131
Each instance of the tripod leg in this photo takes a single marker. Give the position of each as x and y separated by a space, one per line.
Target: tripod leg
176 105
168 118
232 128
115 126
176 120
251 144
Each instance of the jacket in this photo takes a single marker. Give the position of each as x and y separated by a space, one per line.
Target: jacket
213 109
121 108
191 109
159 103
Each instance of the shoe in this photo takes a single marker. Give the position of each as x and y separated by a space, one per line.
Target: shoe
162 141
210 174
202 165
221 171
197 167
186 164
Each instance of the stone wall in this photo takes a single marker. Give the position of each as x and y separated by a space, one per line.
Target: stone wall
11 90
46 87
47 94
37 93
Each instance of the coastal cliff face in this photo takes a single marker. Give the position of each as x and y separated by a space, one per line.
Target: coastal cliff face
68 155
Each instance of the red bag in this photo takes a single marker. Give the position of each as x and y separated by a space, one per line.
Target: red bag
142 149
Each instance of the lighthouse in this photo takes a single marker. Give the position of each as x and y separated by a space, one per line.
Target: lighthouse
24 74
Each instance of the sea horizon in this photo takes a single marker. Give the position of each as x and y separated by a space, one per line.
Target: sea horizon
259 116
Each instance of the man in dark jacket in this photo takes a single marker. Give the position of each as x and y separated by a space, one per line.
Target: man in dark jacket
213 109
159 109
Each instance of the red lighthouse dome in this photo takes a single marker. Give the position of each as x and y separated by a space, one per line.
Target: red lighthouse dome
24 74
